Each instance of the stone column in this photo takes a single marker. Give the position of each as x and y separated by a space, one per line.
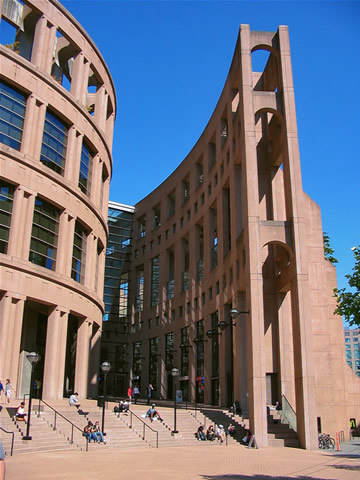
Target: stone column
82 357
91 256
37 130
73 154
29 121
94 361
55 350
11 322
99 287
105 197
79 79
286 348
253 266
96 180
101 107
300 295
43 44
22 218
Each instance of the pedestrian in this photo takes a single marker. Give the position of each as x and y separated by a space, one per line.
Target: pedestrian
2 462
8 390
130 393
136 393
1 389
149 390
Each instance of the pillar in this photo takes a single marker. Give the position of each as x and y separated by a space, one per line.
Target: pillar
253 267
55 351
94 361
11 322
43 44
82 357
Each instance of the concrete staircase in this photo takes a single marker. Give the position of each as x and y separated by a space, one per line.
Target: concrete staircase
54 432
280 434
43 439
223 417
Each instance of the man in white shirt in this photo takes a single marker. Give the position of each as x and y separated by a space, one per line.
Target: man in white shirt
74 402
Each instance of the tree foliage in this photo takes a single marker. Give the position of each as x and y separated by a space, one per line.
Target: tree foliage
348 302
328 251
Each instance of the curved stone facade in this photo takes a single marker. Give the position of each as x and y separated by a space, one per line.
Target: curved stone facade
232 228
58 108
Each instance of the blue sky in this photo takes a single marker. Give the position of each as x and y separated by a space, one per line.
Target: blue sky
169 61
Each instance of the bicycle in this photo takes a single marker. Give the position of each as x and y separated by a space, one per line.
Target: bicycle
326 442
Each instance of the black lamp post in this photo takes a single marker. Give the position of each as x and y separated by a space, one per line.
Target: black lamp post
175 373
33 358
105 367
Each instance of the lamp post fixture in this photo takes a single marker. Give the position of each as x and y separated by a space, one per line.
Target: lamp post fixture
105 367
175 373
210 333
33 358
234 312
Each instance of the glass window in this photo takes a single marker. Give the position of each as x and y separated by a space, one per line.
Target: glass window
44 234
184 352
53 149
6 206
155 277
12 113
79 253
140 290
86 165
154 359
169 351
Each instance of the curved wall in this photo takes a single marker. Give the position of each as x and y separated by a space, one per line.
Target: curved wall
57 111
232 228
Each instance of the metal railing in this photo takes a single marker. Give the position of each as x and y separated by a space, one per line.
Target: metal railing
56 413
132 414
288 413
12 441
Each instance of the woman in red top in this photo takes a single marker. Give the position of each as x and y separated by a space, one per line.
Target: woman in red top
130 392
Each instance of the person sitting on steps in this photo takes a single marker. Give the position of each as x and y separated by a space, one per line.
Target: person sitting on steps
74 402
153 413
89 433
210 433
98 433
20 412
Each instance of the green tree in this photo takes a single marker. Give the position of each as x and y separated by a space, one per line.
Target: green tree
348 302
328 251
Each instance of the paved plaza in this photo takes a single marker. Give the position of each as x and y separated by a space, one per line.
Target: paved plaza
205 462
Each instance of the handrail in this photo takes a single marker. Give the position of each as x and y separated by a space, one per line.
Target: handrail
12 441
62 416
144 425
288 413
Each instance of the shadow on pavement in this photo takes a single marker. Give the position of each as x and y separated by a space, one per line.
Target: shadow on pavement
355 468
234 476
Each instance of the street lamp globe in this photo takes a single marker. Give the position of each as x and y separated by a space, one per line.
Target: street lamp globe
105 367
33 358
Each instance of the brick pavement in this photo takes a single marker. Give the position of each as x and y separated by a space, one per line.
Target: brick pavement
213 462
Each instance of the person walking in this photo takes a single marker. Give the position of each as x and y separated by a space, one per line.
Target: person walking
8 390
136 393
149 390
130 393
